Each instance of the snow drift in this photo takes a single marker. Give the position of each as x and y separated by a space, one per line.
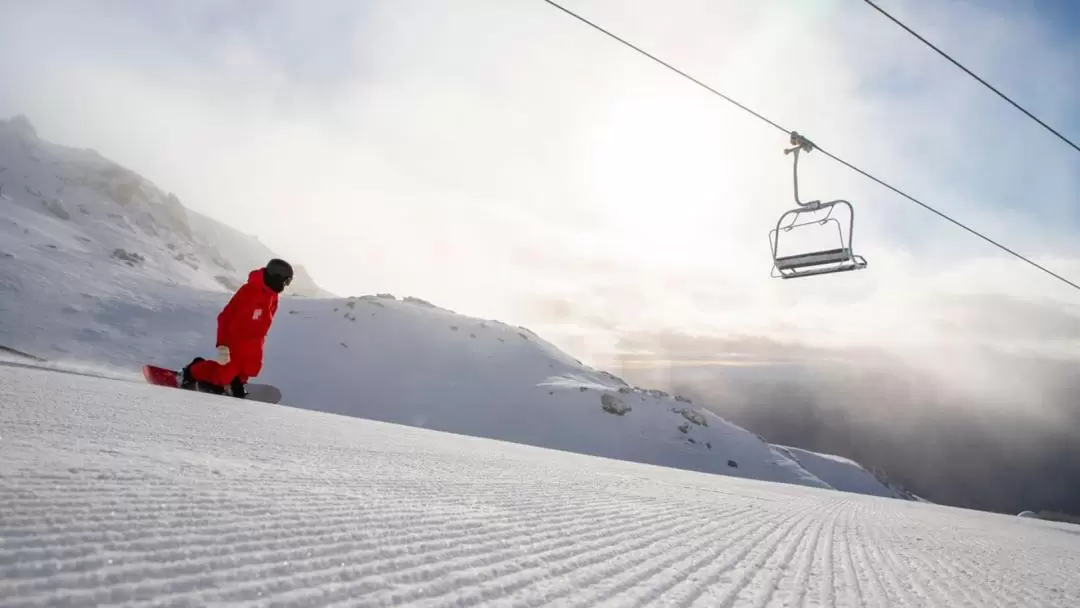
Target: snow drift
100 267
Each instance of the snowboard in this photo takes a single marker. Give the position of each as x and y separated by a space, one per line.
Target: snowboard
162 376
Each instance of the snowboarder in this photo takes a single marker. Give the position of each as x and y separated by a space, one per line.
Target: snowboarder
241 333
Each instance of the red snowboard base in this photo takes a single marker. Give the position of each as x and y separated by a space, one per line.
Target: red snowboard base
161 376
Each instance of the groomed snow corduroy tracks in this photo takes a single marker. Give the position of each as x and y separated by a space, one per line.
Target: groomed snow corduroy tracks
112 492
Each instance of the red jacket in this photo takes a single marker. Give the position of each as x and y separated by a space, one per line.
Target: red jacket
244 323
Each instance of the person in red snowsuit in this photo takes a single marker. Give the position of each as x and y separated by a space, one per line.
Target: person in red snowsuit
241 333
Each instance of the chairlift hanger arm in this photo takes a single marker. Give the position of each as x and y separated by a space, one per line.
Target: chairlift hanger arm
800 144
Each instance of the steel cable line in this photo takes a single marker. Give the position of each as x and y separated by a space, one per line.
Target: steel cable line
973 75
823 151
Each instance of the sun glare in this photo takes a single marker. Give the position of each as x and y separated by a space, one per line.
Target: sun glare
658 176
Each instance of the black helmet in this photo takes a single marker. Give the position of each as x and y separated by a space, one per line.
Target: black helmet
278 274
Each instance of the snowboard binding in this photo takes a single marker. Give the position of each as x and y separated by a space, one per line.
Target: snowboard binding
187 382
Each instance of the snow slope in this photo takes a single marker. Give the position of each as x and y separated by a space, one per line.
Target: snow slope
67 295
115 493
843 473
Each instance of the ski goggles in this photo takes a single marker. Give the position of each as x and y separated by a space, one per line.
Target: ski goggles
285 279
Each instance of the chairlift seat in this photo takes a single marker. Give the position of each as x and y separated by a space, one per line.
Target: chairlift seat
818 262
814 258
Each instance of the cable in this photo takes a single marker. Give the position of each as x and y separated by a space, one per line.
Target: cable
973 75
825 152
666 65
965 227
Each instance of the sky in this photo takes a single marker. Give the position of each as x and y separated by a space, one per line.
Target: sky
501 159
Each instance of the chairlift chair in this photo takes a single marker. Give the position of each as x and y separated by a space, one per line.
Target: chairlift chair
826 261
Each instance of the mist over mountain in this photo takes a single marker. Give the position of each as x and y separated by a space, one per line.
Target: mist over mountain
1008 444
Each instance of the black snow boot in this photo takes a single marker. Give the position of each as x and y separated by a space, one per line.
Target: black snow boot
191 384
237 388
186 381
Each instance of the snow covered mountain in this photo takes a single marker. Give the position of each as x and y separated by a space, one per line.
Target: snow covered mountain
100 268
100 215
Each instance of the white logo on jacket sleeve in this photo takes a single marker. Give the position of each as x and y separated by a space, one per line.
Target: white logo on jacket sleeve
255 316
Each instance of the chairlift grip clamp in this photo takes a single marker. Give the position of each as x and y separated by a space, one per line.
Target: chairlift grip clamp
799 143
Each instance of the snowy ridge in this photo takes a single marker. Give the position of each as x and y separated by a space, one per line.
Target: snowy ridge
844 474
100 268
102 215
242 252
119 493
